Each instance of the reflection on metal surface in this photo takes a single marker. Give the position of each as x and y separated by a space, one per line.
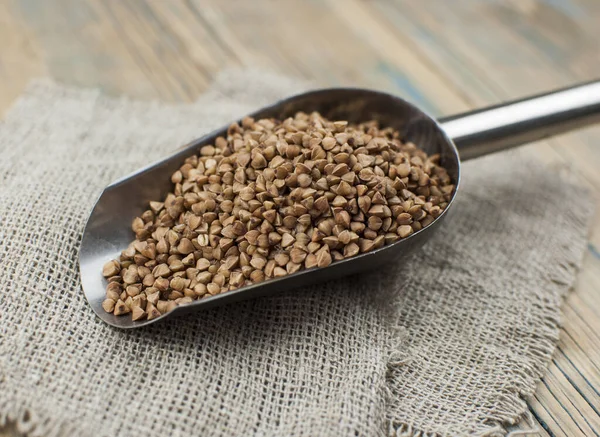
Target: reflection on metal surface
504 126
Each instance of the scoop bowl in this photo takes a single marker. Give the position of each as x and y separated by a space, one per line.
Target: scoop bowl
108 230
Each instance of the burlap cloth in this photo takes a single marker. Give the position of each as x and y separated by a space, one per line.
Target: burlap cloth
447 344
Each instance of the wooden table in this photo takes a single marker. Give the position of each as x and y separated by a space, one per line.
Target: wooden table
446 56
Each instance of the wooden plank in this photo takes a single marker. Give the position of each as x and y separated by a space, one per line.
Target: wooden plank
82 46
19 56
439 98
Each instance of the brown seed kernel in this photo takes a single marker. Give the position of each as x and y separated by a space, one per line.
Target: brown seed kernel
364 203
236 279
152 297
231 262
257 276
219 279
270 215
323 258
263 241
376 210
304 180
379 241
153 312
112 293
247 194
331 241
340 170
374 223
129 302
258 262
343 218
351 249
341 138
162 306
213 288
347 237
282 259
132 290
204 277
173 295
111 268
405 230
161 270
365 245
278 272
336 255
176 265
131 275
200 289
287 240
427 221
369 234
270 268
120 308
185 246
328 143
344 189
162 246
297 255
137 224
156 207
292 267
178 283
202 264
137 313
189 260
313 246
404 219
140 300
108 305
310 261
161 284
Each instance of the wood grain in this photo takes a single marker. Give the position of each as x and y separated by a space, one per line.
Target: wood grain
445 56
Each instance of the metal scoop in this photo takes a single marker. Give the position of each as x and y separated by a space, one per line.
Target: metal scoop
465 136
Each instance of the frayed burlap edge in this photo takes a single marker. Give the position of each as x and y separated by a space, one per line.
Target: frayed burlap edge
562 280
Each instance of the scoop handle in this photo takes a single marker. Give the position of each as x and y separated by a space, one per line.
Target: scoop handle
512 124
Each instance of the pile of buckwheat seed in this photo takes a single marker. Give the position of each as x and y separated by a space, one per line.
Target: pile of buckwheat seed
272 198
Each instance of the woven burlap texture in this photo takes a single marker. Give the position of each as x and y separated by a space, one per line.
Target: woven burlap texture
447 344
